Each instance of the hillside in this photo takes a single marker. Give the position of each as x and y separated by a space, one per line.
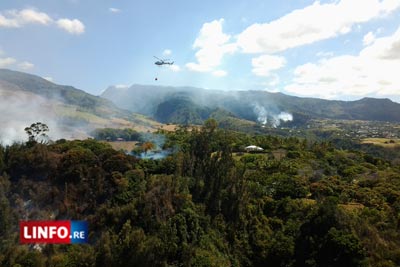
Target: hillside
209 203
70 112
252 105
143 98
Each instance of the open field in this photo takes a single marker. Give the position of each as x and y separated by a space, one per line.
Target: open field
385 142
169 127
123 145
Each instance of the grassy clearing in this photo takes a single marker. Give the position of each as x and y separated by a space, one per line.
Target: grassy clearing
351 207
72 112
142 124
123 145
385 142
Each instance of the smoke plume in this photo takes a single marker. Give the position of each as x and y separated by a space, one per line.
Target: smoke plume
19 109
269 117
158 152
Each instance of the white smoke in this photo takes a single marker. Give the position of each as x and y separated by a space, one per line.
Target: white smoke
265 116
262 114
19 109
283 116
158 152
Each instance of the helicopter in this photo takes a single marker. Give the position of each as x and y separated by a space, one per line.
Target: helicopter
161 62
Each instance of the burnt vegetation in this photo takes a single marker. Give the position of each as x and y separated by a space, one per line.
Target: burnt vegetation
296 203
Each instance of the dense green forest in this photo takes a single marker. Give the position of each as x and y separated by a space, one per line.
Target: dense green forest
299 203
114 134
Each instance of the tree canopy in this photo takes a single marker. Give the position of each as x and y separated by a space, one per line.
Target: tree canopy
209 203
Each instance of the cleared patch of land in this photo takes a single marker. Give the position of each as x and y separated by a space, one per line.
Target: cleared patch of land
123 145
385 142
169 127
351 206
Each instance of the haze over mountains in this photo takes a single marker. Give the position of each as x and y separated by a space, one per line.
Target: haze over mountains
73 113
165 103
69 112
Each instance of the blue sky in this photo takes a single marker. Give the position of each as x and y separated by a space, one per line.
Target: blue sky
343 49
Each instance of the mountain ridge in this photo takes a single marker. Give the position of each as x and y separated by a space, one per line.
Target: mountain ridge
147 98
118 107
69 112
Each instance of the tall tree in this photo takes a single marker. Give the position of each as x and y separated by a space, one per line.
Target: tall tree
37 132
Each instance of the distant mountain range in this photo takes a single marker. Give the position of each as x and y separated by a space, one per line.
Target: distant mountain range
73 113
188 104
69 112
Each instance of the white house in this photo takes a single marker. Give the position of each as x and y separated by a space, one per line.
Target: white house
253 148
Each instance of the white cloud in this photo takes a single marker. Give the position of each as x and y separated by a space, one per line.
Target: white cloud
212 44
50 79
385 48
167 52
311 24
219 73
174 68
73 26
197 67
369 38
114 10
15 19
7 22
374 71
211 34
271 82
33 16
7 61
263 65
26 65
